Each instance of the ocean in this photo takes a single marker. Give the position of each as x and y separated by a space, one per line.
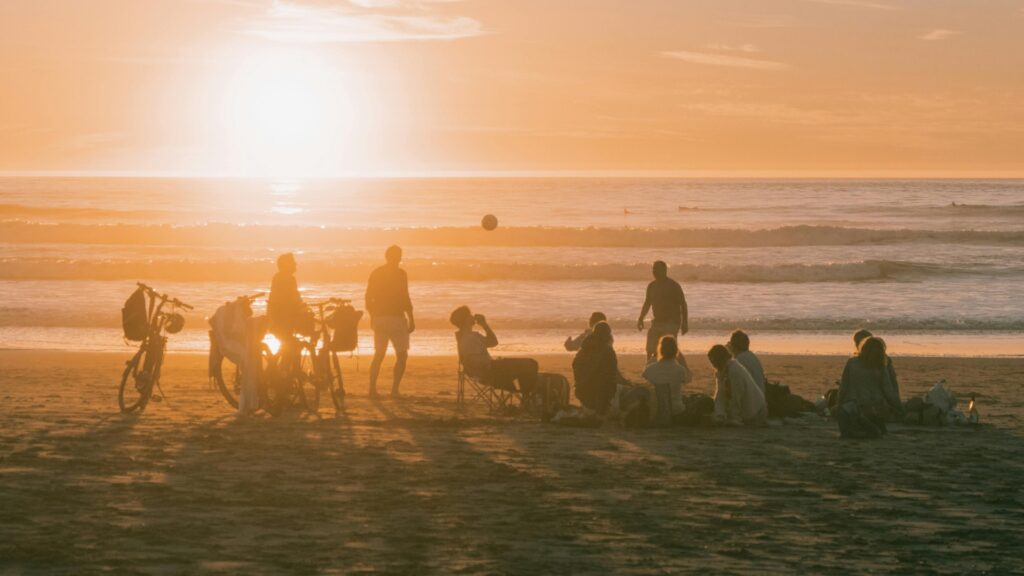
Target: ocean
934 266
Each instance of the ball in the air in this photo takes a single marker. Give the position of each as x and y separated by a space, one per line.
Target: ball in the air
490 222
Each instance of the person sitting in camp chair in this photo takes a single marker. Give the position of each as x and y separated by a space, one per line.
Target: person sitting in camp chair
474 352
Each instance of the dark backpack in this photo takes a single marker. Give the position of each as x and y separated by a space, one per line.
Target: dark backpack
345 321
135 317
554 392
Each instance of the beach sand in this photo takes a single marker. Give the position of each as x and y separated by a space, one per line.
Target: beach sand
413 486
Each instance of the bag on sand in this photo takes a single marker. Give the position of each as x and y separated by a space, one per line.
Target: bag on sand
784 404
635 405
698 412
135 317
941 397
554 392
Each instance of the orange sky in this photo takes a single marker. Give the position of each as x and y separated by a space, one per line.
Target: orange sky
332 87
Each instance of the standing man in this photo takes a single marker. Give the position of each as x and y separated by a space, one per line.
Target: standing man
671 318
390 308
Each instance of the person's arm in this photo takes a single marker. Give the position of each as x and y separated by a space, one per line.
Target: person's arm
643 311
894 381
574 344
296 296
737 401
890 389
408 303
490 339
844 384
371 294
721 397
684 313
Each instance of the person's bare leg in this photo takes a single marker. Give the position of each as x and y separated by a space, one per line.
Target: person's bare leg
380 350
401 356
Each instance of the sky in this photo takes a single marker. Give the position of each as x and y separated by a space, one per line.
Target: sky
402 87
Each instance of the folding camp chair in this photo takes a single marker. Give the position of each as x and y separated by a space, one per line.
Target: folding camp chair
480 390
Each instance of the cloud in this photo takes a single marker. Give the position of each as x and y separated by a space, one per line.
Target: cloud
726 60
747 48
939 34
865 4
360 21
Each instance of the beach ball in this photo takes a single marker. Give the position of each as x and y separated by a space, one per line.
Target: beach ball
490 222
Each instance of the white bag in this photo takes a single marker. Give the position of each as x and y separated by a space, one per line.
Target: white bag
941 397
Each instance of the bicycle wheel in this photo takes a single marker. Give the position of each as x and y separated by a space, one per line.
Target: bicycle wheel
308 381
229 379
276 390
136 383
337 384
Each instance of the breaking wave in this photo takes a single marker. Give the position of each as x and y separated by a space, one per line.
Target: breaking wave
330 271
19 232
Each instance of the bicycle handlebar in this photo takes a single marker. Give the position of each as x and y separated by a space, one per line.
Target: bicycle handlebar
164 297
328 302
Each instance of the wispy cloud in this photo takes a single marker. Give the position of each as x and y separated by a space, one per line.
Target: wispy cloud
726 60
747 48
360 21
866 4
939 34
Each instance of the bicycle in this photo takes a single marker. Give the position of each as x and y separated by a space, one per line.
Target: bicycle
296 374
143 369
327 368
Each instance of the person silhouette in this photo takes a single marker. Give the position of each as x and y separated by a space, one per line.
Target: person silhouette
671 317
390 308
285 308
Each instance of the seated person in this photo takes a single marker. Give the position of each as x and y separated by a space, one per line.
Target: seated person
738 400
858 338
596 370
667 375
575 344
476 359
739 345
866 394
286 312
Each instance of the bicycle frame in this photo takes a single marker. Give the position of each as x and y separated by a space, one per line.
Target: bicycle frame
153 346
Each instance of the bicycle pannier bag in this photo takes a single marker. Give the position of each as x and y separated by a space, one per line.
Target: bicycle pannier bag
134 317
345 321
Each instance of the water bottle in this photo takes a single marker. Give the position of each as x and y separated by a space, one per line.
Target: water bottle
972 412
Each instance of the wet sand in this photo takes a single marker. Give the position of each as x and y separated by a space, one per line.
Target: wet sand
413 486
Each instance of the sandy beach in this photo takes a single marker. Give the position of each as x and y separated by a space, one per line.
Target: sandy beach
414 486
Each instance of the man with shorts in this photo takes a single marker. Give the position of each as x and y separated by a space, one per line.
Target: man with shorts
390 308
665 297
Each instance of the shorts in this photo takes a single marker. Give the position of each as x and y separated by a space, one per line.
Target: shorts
654 334
393 329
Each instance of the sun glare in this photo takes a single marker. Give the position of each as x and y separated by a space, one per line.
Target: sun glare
286 112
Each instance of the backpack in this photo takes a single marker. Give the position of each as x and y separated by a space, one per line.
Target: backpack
345 322
135 317
554 391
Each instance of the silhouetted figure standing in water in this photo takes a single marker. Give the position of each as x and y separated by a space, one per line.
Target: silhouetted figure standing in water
390 307
285 308
665 297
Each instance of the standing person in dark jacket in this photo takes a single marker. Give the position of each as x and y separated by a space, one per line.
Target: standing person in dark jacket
390 308
596 370
671 317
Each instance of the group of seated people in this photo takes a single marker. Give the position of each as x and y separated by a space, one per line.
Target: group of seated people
868 393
